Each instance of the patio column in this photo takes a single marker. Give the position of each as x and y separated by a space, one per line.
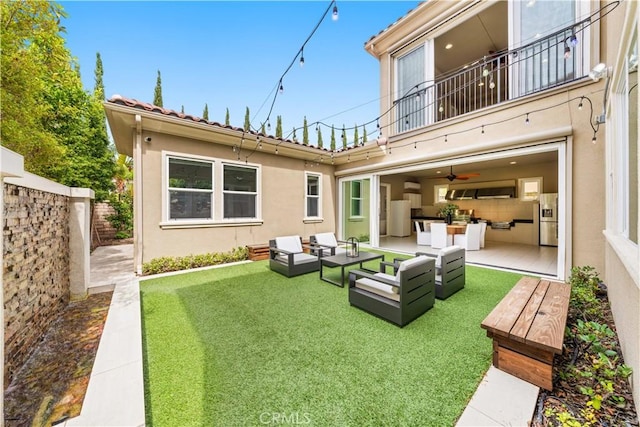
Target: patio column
79 241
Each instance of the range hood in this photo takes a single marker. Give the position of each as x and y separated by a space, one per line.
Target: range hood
496 193
466 194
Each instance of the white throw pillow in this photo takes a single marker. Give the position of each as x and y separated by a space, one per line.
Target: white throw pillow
289 244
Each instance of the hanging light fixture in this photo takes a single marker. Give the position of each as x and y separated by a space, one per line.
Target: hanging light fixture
268 124
573 39
441 108
334 15
281 87
567 51
580 105
526 121
302 57
492 84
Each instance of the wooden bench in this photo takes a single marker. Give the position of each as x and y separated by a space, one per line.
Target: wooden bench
527 328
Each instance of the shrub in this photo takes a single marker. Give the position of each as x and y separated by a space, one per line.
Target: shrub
584 291
122 219
167 264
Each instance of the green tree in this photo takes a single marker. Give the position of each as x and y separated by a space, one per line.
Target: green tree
98 90
364 134
247 120
263 130
157 94
356 138
226 118
305 132
205 112
320 143
333 138
344 137
32 53
295 138
279 127
182 109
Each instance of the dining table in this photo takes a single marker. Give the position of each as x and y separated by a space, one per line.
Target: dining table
456 229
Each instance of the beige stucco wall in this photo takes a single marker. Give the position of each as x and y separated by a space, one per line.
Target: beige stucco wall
282 192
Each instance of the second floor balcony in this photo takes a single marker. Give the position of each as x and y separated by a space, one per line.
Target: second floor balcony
545 62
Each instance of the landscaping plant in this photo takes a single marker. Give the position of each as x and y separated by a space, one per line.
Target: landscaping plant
591 385
167 264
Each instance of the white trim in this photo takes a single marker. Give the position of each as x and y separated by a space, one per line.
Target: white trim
210 224
307 217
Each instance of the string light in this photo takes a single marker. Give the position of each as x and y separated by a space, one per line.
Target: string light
526 121
441 108
276 150
334 15
367 155
483 129
573 39
445 138
594 140
567 51
415 145
492 85
302 57
580 105
281 89
268 124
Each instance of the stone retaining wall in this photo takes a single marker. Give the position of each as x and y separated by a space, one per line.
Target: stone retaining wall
36 268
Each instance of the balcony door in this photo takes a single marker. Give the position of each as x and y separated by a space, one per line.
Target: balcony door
548 44
414 87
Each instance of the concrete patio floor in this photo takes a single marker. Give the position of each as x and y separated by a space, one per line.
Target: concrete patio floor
115 395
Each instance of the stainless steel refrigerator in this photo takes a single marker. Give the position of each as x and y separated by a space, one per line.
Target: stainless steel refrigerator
549 219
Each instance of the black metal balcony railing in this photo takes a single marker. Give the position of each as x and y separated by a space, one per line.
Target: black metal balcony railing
548 62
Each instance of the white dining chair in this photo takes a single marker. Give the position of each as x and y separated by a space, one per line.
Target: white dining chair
483 231
423 236
439 237
470 240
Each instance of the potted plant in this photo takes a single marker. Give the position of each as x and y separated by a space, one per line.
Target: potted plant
447 211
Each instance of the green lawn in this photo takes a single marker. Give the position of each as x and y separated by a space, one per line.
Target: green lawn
242 345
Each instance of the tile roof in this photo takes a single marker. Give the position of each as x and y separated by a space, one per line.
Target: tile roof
134 103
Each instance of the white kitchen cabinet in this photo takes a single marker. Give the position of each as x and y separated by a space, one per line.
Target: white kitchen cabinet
415 199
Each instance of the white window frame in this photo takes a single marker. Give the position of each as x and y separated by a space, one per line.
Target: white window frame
522 182
168 189
255 193
617 135
436 193
358 199
217 219
307 175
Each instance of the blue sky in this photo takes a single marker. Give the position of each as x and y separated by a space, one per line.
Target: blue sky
231 55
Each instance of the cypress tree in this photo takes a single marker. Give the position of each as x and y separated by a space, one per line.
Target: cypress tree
356 138
182 109
263 130
226 118
320 143
205 112
157 94
98 90
364 134
344 137
247 123
305 132
295 138
333 138
279 127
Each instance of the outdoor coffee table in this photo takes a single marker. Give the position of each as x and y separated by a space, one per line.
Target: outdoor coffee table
343 261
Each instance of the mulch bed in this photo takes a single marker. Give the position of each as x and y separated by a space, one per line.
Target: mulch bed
51 385
566 398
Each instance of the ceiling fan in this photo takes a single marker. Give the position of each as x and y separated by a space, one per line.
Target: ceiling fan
453 176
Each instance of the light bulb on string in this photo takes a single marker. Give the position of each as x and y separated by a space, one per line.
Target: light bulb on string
302 57
446 139
580 105
441 108
377 123
594 140
492 84
483 129
567 51
276 150
526 121
415 145
367 155
334 15
268 124
281 88
573 39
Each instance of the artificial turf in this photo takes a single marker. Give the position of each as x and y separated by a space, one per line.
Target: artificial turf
242 345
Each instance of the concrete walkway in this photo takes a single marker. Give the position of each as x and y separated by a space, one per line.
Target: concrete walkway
115 395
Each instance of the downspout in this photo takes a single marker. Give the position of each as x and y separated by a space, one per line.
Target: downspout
137 197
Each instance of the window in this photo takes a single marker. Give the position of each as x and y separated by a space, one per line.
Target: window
632 141
313 205
190 187
240 194
530 188
356 198
410 110
440 193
